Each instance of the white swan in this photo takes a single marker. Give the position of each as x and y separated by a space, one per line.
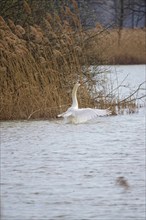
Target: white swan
77 115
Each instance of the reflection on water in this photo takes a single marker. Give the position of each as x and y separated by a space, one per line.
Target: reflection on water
53 171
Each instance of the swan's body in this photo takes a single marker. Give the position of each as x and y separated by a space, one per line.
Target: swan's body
80 115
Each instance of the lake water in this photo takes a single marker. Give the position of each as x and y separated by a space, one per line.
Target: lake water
55 171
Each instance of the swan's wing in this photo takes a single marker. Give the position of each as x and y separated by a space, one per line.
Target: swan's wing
67 113
86 114
64 114
68 116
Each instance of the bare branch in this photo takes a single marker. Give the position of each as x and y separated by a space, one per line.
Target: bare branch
133 93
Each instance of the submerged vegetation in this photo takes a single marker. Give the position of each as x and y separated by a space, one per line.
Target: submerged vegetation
40 64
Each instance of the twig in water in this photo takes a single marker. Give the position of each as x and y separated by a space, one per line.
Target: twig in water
33 113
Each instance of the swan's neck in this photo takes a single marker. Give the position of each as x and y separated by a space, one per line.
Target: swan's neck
74 97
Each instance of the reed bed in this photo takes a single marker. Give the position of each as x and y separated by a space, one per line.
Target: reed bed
40 65
126 46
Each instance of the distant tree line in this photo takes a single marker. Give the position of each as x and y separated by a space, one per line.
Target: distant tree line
131 13
118 13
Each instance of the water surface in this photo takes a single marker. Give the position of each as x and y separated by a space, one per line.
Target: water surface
53 171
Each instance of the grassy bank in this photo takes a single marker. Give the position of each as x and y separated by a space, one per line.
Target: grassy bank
39 65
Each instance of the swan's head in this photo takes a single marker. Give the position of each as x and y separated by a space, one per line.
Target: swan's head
75 88
77 84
